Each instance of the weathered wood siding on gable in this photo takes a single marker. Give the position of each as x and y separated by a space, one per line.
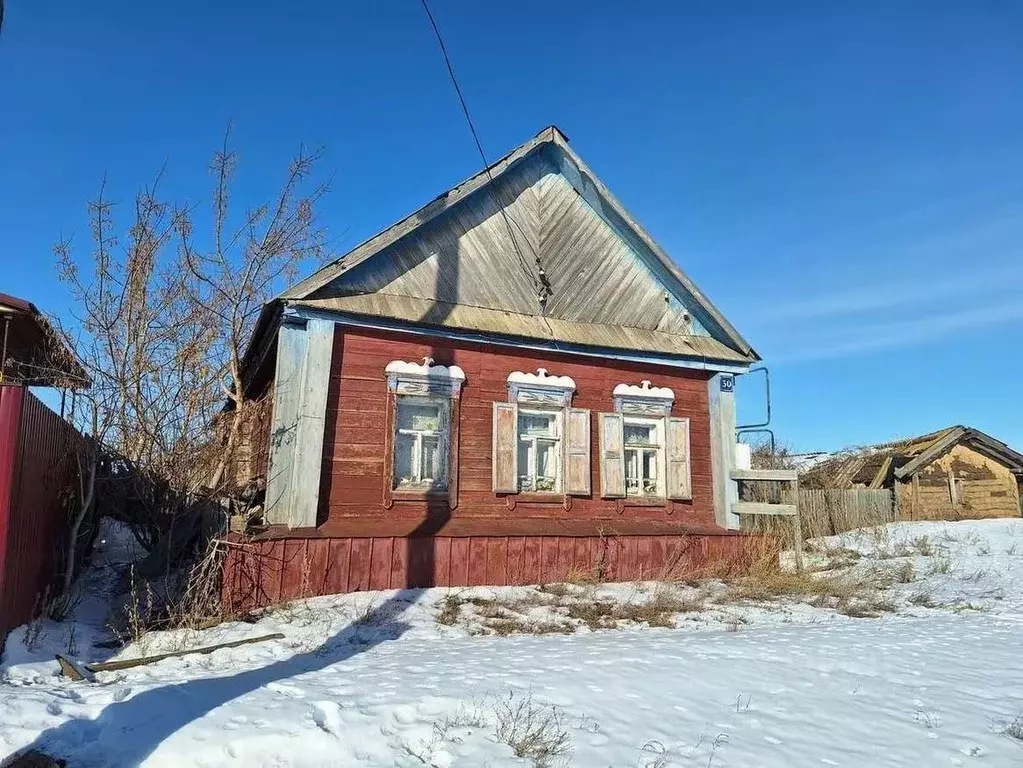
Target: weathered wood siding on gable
466 256
353 473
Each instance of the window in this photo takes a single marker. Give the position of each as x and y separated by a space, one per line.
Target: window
421 443
539 451
644 457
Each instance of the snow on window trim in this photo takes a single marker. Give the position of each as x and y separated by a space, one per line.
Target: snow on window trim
426 378
540 388
630 398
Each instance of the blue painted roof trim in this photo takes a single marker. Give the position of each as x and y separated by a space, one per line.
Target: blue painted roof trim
386 324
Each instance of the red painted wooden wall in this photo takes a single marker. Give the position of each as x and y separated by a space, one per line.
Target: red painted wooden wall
361 544
265 572
353 474
36 468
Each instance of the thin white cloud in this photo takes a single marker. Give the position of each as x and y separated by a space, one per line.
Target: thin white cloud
876 337
895 293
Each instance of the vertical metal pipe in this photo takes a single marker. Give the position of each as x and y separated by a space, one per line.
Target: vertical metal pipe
3 349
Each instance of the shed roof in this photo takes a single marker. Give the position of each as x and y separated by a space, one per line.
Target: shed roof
873 465
32 352
471 259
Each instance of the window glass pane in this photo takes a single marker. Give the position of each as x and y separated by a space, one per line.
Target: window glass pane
631 471
403 448
650 472
546 465
418 416
639 434
537 424
430 459
525 475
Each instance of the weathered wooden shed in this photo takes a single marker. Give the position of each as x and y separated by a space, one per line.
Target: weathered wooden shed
512 383
958 472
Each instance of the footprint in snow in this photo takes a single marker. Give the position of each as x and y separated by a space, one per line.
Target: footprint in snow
285 690
327 716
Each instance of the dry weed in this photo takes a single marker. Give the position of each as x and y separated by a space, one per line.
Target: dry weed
905 573
450 610
923 599
1013 729
533 730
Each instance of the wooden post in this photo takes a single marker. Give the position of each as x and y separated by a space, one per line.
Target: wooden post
797 529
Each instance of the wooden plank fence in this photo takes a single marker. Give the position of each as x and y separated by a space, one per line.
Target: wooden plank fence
831 511
821 512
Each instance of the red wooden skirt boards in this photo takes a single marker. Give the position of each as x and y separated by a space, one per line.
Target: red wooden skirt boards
289 565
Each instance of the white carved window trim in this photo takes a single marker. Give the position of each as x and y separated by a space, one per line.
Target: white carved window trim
643 399
442 434
422 384
424 379
636 450
540 389
527 479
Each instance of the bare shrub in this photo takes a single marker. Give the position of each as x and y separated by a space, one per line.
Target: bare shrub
559 589
533 730
522 625
923 545
34 634
905 573
1013 729
923 599
867 608
450 610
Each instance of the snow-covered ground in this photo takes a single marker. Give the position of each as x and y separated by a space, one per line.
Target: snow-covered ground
423 678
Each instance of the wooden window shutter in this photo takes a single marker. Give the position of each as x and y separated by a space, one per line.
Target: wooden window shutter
505 450
612 456
577 452
679 473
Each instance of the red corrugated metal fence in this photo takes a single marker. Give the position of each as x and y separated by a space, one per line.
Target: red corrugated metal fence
37 473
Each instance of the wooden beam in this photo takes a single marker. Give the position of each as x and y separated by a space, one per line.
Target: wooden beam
778 475
721 399
761 508
302 377
69 669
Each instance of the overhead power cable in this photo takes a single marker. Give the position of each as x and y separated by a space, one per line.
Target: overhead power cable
538 279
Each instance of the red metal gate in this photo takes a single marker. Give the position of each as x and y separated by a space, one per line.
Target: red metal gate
37 473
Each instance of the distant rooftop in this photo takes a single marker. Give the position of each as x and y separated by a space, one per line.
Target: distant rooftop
32 353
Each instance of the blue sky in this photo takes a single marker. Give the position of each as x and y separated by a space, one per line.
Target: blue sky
844 180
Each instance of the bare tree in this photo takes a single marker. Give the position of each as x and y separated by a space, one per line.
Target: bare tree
164 304
231 277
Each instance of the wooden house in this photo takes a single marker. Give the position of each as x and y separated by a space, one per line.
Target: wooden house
958 472
509 385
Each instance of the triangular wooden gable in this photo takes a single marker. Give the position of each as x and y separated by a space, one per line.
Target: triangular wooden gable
483 245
